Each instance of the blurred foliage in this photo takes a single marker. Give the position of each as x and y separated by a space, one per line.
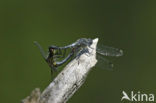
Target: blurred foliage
119 23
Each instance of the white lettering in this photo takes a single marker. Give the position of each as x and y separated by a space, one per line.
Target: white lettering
151 97
133 96
137 96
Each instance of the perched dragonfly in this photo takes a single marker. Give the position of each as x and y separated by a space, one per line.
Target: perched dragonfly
80 47
77 48
55 52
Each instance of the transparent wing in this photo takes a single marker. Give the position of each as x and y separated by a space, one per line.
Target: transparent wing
104 63
109 51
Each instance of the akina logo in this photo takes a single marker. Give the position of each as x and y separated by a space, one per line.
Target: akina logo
137 96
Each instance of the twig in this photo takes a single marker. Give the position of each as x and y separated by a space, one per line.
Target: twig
68 81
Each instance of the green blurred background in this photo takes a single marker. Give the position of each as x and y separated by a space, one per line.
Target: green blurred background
126 24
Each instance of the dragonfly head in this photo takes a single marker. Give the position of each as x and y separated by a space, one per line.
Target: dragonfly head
53 49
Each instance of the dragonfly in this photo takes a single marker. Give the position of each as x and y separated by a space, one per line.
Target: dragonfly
76 50
56 52
80 47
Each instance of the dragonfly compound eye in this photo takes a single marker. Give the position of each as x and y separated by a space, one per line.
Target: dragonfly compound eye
51 50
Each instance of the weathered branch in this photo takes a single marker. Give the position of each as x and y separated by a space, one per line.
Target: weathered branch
68 81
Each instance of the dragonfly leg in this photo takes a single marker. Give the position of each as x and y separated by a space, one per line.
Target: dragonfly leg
52 70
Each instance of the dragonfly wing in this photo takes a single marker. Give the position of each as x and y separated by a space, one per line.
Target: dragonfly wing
104 63
109 51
